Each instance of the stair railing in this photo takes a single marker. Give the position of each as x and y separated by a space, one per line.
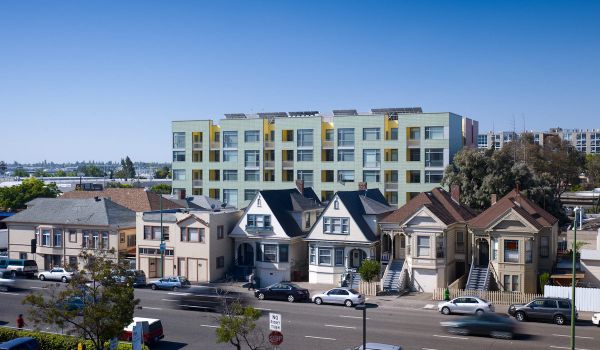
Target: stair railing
470 274
385 273
486 281
403 280
496 277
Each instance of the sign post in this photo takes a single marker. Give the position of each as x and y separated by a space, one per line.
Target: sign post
275 337
137 336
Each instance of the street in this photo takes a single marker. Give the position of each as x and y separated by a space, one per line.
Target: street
309 326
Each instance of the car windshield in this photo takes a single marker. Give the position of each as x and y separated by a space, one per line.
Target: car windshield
294 285
30 263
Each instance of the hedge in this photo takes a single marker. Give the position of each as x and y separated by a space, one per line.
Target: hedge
52 341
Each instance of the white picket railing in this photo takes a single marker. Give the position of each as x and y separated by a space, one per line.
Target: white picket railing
586 299
495 297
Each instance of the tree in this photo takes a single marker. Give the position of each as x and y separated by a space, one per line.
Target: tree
238 327
20 172
108 304
368 270
15 197
592 167
127 170
2 167
40 173
91 171
60 173
163 173
115 184
161 189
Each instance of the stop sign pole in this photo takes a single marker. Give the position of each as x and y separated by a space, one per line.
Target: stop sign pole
276 337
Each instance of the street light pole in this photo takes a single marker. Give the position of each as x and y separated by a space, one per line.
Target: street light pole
162 240
573 280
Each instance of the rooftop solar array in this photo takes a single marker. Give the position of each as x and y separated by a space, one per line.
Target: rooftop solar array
272 115
304 114
236 116
409 110
338 112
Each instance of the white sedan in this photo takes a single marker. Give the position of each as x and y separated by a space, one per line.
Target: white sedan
596 319
56 274
344 296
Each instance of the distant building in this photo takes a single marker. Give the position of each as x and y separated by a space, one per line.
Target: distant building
585 141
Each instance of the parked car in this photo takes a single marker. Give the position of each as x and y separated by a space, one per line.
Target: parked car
152 333
138 278
465 305
596 319
283 291
557 310
57 274
23 343
210 299
379 346
487 323
342 296
74 303
170 282
19 267
6 281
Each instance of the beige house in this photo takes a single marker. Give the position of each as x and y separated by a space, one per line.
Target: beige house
512 242
197 243
59 229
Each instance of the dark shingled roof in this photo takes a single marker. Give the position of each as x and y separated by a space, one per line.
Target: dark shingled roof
530 211
364 202
438 201
284 202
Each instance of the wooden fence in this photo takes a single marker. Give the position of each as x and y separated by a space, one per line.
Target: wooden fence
495 297
586 299
368 288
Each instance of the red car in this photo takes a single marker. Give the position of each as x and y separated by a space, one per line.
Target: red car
153 330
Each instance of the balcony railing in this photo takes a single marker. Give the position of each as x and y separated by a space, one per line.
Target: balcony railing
287 164
259 230
413 143
269 164
269 144
391 186
196 183
371 164
251 164
197 145
328 144
215 144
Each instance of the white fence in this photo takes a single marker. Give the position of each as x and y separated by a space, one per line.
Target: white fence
586 299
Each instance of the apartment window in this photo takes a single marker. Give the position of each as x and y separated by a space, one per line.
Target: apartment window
131 240
434 132
305 137
312 255
327 155
230 156
339 257
283 252
345 137
57 238
252 158
460 242
192 234
414 133
230 139
230 196
329 135
153 233
494 249
434 157
230 175
423 245
179 156
307 176
511 283
392 197
392 155
305 155
371 134
23 256
220 232
433 176
515 283
104 242
371 158
333 225
287 135
413 176
528 251
544 246
95 239
345 175
72 236
325 256
85 238
370 176
251 136
179 140
414 154
439 247
345 155
506 283
220 262
252 175
270 252
394 134
258 220
46 237
511 251
178 174
249 194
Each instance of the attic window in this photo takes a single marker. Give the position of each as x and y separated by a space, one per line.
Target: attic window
336 204
258 202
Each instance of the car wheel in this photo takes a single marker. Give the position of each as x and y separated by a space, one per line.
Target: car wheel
65 279
318 301
479 312
501 335
291 298
175 289
559 320
348 303
261 296
520 316
153 287
42 277
446 310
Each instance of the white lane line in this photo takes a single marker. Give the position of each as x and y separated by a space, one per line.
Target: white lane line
209 326
151 308
564 347
429 306
169 300
34 287
180 294
577 336
358 317
262 309
449 336
427 349
9 293
324 338
336 326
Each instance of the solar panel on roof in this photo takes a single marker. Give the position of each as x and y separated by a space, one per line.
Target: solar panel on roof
397 110
273 115
303 114
337 112
235 116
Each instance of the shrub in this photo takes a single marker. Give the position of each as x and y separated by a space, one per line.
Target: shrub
368 270
544 280
51 341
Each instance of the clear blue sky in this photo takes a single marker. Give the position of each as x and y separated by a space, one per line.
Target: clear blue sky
83 80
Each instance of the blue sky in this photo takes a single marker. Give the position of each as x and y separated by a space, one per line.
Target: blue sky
83 80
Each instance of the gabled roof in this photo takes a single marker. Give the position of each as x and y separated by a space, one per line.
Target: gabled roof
136 199
525 207
284 202
87 212
364 202
438 201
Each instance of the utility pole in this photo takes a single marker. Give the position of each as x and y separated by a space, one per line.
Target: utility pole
162 240
573 279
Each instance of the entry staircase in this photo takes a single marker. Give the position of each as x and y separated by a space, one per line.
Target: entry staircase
391 277
479 278
353 280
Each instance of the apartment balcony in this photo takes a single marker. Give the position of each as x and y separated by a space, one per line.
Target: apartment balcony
269 164
413 143
196 183
252 165
390 186
215 145
269 144
372 165
196 145
328 144
287 164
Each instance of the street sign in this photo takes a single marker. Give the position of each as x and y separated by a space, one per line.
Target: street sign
162 247
136 339
274 322
275 338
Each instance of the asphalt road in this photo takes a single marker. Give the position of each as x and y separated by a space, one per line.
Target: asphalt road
309 326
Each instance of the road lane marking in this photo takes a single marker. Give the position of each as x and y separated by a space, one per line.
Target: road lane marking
9 293
429 306
427 349
312 337
564 347
169 300
209 326
34 287
336 326
449 336
358 317
151 308
262 309
577 336
180 294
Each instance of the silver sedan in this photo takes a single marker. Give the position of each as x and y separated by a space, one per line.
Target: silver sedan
465 305
343 296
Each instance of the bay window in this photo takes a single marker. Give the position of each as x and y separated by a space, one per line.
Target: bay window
325 256
57 239
46 237
423 246
339 256
312 255
528 251
270 252
511 251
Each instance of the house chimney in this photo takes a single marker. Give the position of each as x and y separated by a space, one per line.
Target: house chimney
300 186
455 193
362 186
494 198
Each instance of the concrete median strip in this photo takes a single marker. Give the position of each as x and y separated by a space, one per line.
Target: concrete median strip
151 308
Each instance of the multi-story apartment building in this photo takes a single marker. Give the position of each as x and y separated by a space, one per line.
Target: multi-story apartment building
400 151
496 140
586 141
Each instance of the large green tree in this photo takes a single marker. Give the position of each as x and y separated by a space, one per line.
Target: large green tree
592 169
127 170
108 304
2 167
91 170
15 197
161 188
162 173
237 327
20 172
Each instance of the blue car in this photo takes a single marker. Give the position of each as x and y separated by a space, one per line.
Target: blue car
170 283
24 343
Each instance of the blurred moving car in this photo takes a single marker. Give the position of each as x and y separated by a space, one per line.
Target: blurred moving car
23 343
138 278
170 282
465 305
283 291
596 319
557 310
342 296
21 267
152 330
6 281
57 274
379 346
484 324
211 299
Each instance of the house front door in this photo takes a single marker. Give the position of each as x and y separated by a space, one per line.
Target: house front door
357 256
484 252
